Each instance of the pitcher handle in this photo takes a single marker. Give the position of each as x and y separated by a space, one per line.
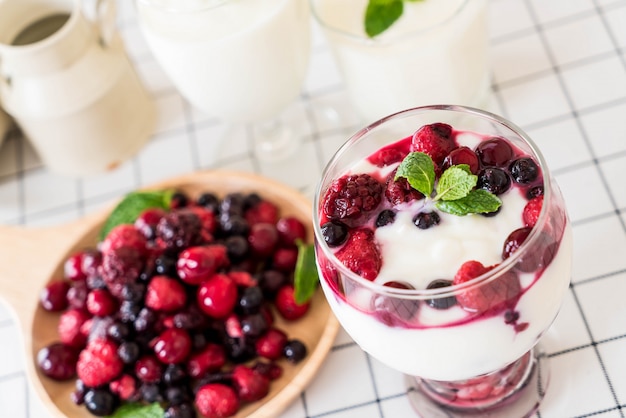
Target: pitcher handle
103 14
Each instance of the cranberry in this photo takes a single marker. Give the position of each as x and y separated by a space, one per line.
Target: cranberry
335 233
270 281
441 302
462 155
173 346
385 217
262 212
69 327
494 180
249 385
165 294
148 369
217 296
73 267
101 303
210 359
394 310
495 152
91 261
425 220
295 351
271 344
197 264
540 256
524 170
285 259
287 306
77 295
53 297
290 230
514 241
58 361
263 239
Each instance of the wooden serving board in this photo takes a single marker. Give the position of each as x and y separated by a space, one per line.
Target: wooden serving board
29 258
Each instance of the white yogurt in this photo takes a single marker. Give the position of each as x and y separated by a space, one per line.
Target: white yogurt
435 53
465 350
239 60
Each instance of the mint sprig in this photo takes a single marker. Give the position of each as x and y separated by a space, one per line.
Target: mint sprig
135 410
381 14
131 206
454 193
305 274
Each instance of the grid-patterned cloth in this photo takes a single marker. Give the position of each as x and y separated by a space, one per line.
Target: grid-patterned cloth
559 71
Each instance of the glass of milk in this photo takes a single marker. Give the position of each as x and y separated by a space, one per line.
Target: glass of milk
243 61
436 52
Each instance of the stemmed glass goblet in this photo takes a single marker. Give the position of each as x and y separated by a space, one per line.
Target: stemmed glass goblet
243 61
467 348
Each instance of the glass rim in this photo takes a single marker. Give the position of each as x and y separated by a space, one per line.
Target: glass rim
211 4
388 39
452 290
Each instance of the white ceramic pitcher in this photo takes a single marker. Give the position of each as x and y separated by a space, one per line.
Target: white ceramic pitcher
67 81
5 123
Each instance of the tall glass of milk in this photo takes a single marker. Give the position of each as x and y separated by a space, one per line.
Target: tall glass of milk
243 61
435 53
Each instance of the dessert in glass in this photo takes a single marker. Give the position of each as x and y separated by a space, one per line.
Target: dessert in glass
444 249
436 52
243 61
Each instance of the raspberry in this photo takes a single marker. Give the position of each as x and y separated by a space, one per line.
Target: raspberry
207 218
263 212
271 344
287 306
69 326
121 266
242 278
210 359
250 385
197 264
99 364
216 400
400 191
165 294
124 236
435 140
532 211
217 296
360 254
349 197
124 387
391 154
488 296
179 229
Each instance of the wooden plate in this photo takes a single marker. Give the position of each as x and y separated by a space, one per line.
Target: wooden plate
29 258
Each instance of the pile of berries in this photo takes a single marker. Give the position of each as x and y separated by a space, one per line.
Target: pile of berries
179 308
356 204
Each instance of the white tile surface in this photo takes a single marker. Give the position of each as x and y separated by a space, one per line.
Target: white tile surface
558 72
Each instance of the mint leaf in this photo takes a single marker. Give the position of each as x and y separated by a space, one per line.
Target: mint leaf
455 183
305 275
477 201
381 14
419 170
132 205
135 410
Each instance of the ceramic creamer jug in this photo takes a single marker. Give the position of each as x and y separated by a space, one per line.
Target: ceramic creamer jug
5 124
67 81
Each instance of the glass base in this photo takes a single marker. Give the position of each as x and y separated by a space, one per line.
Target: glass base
274 140
512 392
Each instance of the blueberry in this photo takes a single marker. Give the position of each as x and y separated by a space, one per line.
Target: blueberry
335 233
129 352
119 331
129 310
232 204
95 282
234 225
534 191
179 200
133 292
251 299
174 375
524 170
176 395
184 410
385 217
294 351
165 264
270 281
100 402
253 325
491 214
511 317
251 201
150 392
208 201
441 302
425 220
239 350
237 248
145 320
494 180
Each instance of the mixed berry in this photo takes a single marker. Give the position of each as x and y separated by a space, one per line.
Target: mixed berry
179 308
355 205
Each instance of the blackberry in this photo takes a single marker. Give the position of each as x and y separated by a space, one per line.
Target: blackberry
335 233
294 351
100 402
441 302
349 197
425 220
524 170
385 217
494 180
120 266
179 229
